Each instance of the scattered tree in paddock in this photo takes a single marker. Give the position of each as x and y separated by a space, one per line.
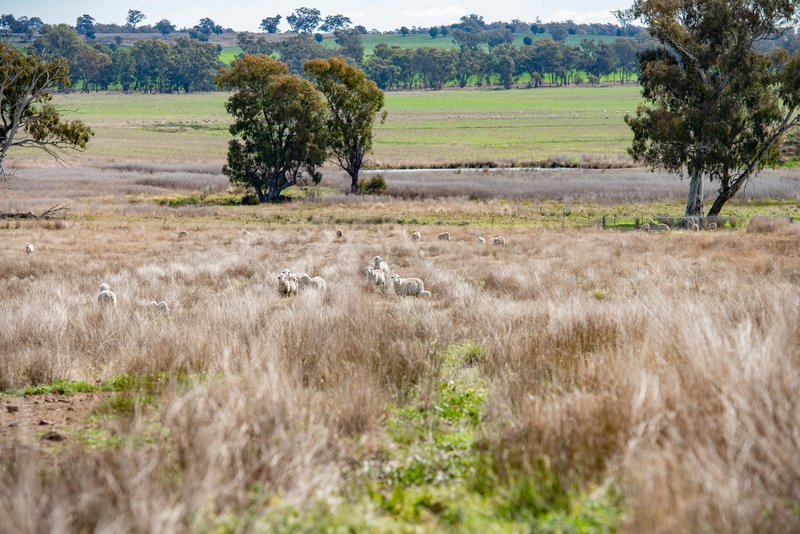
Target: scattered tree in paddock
270 24
134 17
304 19
354 103
279 121
716 108
164 27
27 116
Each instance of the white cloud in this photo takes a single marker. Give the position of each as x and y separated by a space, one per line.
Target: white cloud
450 13
583 17
355 15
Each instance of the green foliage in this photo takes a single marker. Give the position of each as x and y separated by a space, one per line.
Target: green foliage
354 103
304 19
716 107
279 120
60 387
85 26
134 17
126 403
164 27
27 116
374 186
270 24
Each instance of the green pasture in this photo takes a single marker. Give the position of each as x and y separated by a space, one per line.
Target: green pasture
229 53
423 128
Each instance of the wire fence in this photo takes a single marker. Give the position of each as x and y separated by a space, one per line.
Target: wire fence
670 222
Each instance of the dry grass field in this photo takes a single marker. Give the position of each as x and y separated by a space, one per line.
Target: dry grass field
577 379
569 381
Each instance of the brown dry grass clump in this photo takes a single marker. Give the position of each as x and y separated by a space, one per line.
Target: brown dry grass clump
667 364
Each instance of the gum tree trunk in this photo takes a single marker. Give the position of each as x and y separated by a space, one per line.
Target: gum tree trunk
694 205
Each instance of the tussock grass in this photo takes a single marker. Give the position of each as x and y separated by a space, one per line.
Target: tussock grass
676 390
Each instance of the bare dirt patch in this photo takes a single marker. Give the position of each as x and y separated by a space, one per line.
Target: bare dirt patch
41 420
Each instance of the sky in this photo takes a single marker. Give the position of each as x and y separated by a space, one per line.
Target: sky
380 14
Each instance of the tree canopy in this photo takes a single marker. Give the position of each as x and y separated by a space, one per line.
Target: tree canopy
85 26
164 27
332 23
27 116
354 103
304 19
134 17
278 123
716 108
270 24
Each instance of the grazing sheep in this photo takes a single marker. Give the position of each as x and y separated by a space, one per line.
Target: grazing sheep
106 298
183 235
481 240
304 281
319 283
339 234
416 236
407 287
377 277
425 294
712 226
694 227
645 227
287 285
160 308
444 236
661 227
378 263
28 249
499 240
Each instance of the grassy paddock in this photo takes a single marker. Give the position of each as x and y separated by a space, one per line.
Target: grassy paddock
569 381
569 125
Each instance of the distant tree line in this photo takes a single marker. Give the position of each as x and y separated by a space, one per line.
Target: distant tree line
23 25
475 62
149 65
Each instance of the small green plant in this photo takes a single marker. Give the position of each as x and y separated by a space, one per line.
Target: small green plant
599 294
60 387
126 403
374 186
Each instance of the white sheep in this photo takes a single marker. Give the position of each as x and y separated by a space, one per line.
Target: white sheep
694 227
287 285
712 226
407 287
304 281
645 227
499 240
28 249
378 263
106 298
661 227
319 283
416 236
183 235
444 236
159 307
425 294
376 276
481 240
